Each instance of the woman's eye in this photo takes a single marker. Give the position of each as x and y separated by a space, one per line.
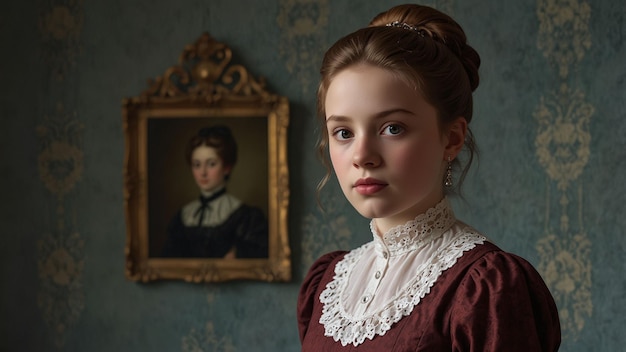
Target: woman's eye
342 134
393 129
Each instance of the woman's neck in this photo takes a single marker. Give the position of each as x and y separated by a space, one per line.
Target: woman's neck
213 191
383 225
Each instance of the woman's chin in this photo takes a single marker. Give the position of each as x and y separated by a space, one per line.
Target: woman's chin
370 213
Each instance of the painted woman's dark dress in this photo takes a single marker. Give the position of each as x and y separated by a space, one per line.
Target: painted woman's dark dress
245 229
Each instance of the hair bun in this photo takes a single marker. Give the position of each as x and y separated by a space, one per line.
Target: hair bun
438 26
217 130
471 62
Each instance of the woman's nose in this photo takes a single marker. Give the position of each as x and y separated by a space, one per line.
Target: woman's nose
366 153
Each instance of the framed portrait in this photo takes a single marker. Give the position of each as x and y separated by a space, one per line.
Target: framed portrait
206 179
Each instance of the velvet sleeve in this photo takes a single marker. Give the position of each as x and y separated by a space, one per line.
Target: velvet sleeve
252 234
172 246
310 290
503 305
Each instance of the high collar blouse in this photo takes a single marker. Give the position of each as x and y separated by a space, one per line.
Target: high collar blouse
382 281
217 211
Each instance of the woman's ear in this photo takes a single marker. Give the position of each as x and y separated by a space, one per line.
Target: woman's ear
227 171
456 137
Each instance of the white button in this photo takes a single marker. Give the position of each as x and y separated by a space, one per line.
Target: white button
385 255
377 275
366 299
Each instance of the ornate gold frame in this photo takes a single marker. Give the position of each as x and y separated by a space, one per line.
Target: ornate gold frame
205 85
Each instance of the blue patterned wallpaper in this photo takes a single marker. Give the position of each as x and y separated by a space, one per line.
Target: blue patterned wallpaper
549 121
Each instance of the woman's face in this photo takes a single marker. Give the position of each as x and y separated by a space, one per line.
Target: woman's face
208 169
385 145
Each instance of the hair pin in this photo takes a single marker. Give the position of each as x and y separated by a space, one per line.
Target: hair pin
407 26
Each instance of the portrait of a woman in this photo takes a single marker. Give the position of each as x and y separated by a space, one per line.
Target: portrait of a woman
216 224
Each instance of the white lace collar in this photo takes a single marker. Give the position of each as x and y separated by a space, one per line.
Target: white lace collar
431 244
218 211
416 233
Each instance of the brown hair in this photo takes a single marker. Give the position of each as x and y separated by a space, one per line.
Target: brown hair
218 137
428 50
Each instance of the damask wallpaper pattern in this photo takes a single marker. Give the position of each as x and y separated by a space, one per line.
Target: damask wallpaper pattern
563 147
549 122
60 250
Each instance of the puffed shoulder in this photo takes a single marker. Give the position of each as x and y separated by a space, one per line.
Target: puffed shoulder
503 304
310 290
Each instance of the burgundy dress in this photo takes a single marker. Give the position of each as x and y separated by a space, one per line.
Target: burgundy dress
489 300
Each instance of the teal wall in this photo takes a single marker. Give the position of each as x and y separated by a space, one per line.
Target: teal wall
550 121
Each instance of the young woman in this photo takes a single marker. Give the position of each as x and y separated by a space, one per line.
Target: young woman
395 101
217 224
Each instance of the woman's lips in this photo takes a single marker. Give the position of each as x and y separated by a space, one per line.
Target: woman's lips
369 186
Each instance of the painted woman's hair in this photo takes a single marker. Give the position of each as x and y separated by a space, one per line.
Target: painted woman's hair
218 137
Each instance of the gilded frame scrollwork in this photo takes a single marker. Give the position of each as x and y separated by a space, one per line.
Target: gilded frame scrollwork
205 86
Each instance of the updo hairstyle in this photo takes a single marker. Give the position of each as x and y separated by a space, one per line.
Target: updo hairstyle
218 137
423 47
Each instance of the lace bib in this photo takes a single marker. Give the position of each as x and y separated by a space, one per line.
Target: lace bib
422 248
